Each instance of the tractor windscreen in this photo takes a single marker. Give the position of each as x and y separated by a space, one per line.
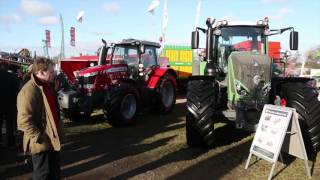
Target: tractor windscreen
241 38
125 55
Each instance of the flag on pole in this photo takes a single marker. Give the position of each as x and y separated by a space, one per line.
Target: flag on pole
80 16
153 5
48 39
72 36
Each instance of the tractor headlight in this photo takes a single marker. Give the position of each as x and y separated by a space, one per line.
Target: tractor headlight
241 90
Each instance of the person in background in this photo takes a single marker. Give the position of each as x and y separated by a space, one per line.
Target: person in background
8 111
39 119
26 77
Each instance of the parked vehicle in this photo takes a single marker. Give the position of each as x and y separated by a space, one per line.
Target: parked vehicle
127 77
241 79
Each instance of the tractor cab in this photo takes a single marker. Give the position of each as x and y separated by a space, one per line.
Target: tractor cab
140 56
225 37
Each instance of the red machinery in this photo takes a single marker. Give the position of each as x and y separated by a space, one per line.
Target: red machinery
129 79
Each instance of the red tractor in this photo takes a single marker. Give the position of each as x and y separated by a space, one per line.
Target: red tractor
127 77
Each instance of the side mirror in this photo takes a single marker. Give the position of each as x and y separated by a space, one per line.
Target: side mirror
195 39
294 40
142 49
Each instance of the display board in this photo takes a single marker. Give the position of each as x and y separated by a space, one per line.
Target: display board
271 131
274 135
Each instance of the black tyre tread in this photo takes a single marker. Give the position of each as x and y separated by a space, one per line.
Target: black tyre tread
112 105
193 137
304 99
200 106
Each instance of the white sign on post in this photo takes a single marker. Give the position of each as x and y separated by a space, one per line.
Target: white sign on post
270 135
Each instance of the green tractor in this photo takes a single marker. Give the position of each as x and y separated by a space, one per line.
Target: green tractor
236 73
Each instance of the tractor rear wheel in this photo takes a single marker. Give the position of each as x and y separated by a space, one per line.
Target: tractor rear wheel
200 106
166 94
121 105
304 99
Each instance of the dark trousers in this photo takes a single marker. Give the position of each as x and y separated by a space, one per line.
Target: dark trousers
10 118
46 165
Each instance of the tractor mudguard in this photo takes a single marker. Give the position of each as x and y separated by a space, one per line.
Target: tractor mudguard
156 76
276 83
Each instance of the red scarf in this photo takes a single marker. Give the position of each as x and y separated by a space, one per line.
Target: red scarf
51 101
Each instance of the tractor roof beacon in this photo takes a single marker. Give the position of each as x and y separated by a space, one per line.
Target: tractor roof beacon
126 78
238 75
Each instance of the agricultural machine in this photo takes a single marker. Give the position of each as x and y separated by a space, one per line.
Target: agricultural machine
16 62
240 78
127 77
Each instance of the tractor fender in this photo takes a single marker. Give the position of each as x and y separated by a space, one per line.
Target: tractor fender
277 82
158 74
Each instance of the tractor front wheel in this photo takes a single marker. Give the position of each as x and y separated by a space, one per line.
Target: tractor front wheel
121 105
200 106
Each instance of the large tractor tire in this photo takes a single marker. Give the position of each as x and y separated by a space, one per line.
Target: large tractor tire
121 105
201 108
166 94
304 99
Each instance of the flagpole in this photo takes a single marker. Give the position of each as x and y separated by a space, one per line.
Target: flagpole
165 20
197 13
164 26
62 53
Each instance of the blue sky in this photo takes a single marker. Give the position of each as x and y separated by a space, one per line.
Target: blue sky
23 22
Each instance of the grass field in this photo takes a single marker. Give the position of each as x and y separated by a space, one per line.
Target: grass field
173 159
155 148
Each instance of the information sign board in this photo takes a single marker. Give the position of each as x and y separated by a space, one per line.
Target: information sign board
271 131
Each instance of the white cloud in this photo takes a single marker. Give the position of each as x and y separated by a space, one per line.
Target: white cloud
48 20
285 11
282 13
112 7
272 1
228 17
102 33
36 7
11 18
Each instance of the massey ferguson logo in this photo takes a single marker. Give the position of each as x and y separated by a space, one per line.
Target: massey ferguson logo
117 69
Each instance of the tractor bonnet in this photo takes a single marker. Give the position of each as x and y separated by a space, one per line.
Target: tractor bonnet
249 69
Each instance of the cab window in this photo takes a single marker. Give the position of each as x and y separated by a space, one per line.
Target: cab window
149 57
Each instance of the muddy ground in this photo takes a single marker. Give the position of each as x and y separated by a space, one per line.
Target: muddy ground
154 148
